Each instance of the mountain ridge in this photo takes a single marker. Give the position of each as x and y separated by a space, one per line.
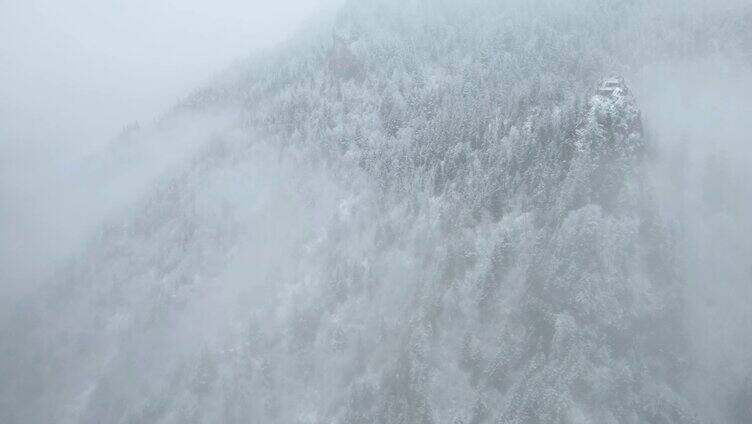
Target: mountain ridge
432 220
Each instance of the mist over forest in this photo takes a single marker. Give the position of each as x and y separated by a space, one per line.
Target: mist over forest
414 211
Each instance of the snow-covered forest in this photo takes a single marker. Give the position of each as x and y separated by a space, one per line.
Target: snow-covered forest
421 211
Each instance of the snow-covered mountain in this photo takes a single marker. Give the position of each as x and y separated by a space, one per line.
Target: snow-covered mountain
427 212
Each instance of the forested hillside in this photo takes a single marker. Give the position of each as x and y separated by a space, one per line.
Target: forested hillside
421 213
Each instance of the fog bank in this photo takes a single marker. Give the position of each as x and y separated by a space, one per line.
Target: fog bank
73 74
697 113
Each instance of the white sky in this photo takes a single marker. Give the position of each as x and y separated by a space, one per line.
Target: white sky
78 70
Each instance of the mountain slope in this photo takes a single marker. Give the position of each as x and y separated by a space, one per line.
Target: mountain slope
423 215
